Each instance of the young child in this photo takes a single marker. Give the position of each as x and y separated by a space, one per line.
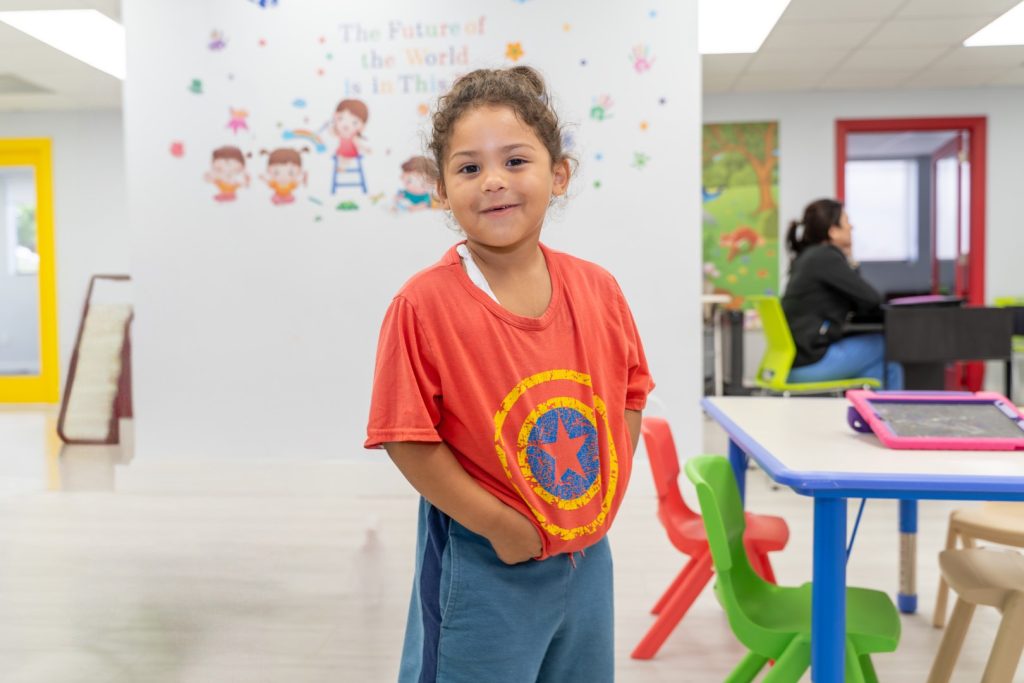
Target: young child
419 175
347 124
284 173
508 388
227 172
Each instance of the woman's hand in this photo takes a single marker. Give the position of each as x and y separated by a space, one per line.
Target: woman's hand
515 539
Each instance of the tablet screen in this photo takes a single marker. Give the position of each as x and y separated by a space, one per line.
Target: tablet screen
946 419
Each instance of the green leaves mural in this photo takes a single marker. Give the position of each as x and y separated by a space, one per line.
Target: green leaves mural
741 216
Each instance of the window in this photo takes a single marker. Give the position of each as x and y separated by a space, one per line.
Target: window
18 207
882 202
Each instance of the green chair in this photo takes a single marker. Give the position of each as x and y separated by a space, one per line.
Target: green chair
774 622
773 373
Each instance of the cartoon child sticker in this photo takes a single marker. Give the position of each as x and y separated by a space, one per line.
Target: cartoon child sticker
419 175
347 124
227 172
237 120
284 173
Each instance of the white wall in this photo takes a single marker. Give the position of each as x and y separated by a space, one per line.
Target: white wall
91 231
807 153
256 325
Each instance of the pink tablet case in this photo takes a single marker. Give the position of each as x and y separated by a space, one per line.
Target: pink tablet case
863 418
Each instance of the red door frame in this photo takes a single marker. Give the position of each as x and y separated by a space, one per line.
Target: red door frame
977 127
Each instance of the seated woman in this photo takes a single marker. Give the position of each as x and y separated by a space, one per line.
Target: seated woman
824 288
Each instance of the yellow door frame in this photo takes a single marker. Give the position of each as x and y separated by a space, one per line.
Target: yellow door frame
44 387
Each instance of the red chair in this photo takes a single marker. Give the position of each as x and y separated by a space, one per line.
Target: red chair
686 531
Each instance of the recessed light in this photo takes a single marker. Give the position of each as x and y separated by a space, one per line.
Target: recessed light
736 26
1008 29
85 34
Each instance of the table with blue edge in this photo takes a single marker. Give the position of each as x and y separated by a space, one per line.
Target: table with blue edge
806 444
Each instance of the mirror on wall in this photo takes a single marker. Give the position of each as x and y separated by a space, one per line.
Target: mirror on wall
28 344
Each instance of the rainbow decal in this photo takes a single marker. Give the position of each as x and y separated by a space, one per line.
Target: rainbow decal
307 135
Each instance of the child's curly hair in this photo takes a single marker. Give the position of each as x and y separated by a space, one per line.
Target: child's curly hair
520 88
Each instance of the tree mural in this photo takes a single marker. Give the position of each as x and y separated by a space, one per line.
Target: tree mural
728 146
741 216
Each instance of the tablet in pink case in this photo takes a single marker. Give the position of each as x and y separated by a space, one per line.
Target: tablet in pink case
938 420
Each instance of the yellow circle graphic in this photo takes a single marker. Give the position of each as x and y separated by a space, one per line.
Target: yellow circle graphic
599 410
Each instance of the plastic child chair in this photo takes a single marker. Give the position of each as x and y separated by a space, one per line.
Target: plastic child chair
994 522
685 530
774 622
983 577
780 350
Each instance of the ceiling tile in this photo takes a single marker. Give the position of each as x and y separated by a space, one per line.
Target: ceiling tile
860 79
832 10
725 64
718 81
796 60
818 35
953 78
926 32
894 58
967 57
1011 77
776 80
955 8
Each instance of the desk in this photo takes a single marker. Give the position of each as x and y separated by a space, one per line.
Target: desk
925 339
805 443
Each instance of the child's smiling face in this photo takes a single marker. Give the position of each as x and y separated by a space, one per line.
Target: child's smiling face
499 178
416 183
284 173
347 124
227 169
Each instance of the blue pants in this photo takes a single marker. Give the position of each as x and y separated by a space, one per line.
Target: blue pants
473 618
862 355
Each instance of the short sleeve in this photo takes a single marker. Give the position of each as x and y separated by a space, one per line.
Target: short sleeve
406 400
639 382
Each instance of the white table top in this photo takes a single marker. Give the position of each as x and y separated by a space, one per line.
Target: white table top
806 443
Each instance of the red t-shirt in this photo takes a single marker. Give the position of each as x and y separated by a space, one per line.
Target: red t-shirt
532 408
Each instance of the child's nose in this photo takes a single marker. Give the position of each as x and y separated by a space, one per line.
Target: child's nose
494 179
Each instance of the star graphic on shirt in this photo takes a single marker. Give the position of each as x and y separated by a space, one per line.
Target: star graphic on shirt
565 451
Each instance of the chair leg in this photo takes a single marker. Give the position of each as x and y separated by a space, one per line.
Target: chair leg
792 663
1009 644
854 673
674 609
868 668
747 669
769 573
671 590
942 596
952 641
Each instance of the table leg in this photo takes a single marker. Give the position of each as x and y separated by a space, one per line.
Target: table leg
828 594
906 599
716 336
738 460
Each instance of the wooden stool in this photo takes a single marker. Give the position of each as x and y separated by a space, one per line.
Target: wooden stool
983 577
995 522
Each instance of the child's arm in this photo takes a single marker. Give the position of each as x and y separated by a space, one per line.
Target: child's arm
633 420
433 471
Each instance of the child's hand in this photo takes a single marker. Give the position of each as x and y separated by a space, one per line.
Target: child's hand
516 540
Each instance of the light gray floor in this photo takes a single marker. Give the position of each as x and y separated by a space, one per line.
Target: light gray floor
298 571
